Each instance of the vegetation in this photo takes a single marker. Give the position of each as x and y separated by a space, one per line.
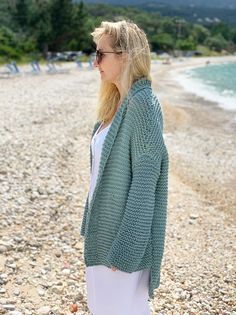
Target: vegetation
203 12
31 28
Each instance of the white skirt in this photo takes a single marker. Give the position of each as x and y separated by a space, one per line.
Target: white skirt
116 292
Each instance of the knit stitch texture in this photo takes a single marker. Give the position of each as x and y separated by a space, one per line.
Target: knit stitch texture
124 225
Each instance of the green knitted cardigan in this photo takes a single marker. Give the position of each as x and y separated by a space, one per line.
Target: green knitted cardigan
124 225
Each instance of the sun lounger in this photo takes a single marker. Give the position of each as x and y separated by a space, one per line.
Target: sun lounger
52 69
12 70
14 67
35 67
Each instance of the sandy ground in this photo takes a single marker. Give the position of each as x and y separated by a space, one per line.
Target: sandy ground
45 126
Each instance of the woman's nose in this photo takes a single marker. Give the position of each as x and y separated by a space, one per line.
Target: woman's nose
95 63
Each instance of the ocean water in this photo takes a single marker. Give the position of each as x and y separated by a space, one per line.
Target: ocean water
216 83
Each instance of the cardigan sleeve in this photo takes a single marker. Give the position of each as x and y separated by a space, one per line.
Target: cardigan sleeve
147 151
131 241
147 127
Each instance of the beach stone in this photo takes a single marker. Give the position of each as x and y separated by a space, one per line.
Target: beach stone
9 307
3 278
2 290
44 310
41 292
3 310
3 249
13 265
66 271
194 216
58 254
17 292
15 313
57 289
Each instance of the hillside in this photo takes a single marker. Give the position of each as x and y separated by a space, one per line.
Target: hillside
197 11
220 4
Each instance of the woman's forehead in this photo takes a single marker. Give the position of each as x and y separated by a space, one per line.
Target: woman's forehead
104 42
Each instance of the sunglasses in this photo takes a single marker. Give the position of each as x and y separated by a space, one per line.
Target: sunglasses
100 54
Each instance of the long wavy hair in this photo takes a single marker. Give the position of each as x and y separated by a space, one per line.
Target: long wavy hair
128 38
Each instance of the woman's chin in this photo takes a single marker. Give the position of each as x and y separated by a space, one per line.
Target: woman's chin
103 78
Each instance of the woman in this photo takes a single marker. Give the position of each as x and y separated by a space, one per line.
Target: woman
125 212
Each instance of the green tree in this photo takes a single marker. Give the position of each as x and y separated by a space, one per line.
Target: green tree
200 33
5 14
233 35
220 29
61 23
8 44
168 25
21 13
40 23
81 28
216 43
182 29
185 44
162 41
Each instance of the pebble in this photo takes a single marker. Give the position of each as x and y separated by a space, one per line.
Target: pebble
57 289
3 249
194 216
15 313
66 271
9 307
3 278
16 292
44 310
3 310
41 292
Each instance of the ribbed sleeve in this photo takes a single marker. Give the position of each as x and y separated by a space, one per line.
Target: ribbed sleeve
147 148
130 243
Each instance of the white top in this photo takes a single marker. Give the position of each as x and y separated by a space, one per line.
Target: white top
96 147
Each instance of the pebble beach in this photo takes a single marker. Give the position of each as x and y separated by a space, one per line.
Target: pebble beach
46 122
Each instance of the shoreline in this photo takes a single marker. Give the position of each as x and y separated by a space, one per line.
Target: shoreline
211 127
198 87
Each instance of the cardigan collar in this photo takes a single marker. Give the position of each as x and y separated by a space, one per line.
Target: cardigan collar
113 130
140 84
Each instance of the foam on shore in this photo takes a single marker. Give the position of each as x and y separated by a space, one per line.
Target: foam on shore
225 99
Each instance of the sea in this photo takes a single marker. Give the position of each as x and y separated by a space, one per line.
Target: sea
215 83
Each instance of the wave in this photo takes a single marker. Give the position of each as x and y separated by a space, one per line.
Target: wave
202 83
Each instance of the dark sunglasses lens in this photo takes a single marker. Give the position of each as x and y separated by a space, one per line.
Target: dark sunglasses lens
98 56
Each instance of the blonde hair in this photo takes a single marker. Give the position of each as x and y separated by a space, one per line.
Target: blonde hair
128 38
